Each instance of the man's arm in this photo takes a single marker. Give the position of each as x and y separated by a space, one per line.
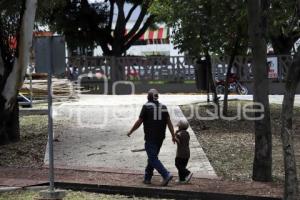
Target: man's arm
171 128
136 125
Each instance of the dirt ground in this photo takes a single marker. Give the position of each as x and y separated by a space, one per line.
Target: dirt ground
30 151
229 145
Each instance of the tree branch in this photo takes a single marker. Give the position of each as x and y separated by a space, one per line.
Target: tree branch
19 29
15 78
130 12
146 25
1 67
105 40
111 14
298 7
119 31
4 46
105 49
138 22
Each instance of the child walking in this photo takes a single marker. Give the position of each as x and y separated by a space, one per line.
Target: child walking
183 152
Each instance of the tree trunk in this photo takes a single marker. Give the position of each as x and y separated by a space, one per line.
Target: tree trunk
228 73
122 41
232 57
12 81
287 134
211 81
119 73
262 166
9 125
282 45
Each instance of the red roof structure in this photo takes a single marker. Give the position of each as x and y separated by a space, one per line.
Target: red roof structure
160 33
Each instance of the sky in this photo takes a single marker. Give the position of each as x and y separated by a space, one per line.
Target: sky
127 8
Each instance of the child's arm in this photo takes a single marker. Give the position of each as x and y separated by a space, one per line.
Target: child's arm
177 136
136 125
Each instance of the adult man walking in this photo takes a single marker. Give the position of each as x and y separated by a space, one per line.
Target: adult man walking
155 118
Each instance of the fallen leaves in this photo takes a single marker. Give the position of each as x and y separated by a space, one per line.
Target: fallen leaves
229 145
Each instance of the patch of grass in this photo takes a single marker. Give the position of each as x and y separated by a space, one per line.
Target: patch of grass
156 82
18 195
166 82
229 145
30 150
71 195
190 82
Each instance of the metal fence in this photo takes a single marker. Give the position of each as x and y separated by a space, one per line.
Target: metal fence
242 67
171 68
160 68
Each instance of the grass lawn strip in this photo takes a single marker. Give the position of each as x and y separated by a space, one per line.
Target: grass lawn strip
71 195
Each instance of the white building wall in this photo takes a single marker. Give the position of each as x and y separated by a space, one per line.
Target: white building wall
149 49
97 51
153 49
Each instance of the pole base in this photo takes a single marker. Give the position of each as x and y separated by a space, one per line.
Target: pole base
52 195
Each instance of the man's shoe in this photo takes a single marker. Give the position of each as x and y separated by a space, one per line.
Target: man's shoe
179 182
147 182
188 178
167 180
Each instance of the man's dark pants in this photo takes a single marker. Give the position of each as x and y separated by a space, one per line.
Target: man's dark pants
152 148
181 164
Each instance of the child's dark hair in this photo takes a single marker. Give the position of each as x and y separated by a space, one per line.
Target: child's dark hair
183 124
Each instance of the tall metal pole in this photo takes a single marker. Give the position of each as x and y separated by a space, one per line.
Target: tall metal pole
30 85
50 121
208 82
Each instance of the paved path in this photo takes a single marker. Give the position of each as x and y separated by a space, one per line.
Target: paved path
97 135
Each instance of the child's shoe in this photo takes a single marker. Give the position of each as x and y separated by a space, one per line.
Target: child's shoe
188 178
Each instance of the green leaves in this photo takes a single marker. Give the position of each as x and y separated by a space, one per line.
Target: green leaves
78 20
212 25
10 15
87 24
204 25
283 25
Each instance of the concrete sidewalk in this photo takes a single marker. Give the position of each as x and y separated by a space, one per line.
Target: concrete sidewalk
169 99
94 131
99 180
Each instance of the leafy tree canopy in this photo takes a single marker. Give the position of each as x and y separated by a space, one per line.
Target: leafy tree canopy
283 25
101 23
213 24
201 26
78 20
10 15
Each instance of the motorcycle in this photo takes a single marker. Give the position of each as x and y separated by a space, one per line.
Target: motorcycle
234 85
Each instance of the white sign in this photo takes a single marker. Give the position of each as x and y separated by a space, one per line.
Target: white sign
272 64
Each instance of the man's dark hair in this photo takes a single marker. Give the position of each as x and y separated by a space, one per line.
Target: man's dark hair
152 95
